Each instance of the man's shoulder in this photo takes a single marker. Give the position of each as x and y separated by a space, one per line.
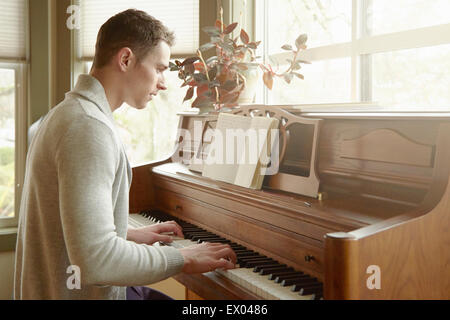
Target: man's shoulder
75 110
76 106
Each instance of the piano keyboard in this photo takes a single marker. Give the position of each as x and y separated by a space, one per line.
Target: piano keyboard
259 274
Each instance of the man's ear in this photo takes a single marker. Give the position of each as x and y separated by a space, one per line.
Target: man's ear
124 58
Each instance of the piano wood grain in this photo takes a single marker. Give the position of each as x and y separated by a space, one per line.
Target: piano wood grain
391 214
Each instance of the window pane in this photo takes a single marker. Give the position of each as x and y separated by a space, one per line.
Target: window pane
7 142
413 78
150 134
327 81
386 16
325 22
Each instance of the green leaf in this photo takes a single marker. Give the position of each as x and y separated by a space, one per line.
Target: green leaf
212 73
252 45
213 84
212 31
300 41
173 66
298 75
228 48
200 77
211 59
303 61
207 46
296 66
288 77
201 102
229 85
189 94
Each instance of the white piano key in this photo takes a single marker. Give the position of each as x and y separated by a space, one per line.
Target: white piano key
245 277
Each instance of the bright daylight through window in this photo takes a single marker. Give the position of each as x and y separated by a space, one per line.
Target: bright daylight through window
7 142
392 53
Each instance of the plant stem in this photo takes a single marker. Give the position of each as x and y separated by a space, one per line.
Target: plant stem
204 63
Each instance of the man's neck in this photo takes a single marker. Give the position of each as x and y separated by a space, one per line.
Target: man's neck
111 86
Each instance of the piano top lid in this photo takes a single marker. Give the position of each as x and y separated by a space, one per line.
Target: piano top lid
348 213
352 110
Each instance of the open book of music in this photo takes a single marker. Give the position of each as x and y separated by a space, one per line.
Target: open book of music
241 150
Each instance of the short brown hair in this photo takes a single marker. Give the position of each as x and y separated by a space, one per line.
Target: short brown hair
134 29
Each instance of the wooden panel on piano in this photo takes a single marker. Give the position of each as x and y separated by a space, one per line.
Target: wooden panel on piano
410 250
394 214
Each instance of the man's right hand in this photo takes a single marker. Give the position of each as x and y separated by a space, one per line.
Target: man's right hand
207 257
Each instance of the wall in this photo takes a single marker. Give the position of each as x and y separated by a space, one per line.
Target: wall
7 275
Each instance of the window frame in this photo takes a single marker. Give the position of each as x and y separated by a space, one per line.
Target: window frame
359 49
20 148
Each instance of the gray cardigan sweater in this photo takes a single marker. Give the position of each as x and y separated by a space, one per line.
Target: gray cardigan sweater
74 208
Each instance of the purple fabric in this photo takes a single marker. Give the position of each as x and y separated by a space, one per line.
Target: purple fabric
145 293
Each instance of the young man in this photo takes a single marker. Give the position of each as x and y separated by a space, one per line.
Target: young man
74 208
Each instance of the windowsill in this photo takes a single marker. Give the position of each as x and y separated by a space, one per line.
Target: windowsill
367 108
8 238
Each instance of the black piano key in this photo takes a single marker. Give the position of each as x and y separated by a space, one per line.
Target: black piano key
201 233
240 249
269 266
300 287
247 254
282 277
275 275
267 271
302 281
314 289
224 241
249 258
192 230
290 280
243 261
254 263
204 236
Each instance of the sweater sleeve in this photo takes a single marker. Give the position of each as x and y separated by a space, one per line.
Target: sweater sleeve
87 159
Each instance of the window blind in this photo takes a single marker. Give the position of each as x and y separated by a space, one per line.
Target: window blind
180 16
12 29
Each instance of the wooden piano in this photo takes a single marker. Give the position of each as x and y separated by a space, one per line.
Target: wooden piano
375 225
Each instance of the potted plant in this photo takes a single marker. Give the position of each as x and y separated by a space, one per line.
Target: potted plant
221 81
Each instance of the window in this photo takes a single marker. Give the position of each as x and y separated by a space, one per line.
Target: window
150 134
392 53
147 134
7 142
12 107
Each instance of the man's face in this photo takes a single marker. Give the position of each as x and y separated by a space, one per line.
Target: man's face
147 78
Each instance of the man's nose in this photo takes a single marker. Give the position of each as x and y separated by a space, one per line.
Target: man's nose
162 84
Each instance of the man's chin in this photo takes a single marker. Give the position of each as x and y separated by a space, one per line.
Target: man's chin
140 106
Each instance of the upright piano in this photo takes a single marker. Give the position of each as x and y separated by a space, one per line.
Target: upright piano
361 204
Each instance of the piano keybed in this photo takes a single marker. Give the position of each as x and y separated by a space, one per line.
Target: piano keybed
257 273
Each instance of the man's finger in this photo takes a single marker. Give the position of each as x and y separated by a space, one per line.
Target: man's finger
225 264
169 227
226 253
163 238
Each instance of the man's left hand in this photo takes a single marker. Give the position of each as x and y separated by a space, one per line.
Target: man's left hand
157 232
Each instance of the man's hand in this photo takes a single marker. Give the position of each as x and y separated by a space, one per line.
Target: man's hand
153 233
207 257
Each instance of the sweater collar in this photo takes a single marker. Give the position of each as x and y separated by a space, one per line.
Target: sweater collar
90 88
